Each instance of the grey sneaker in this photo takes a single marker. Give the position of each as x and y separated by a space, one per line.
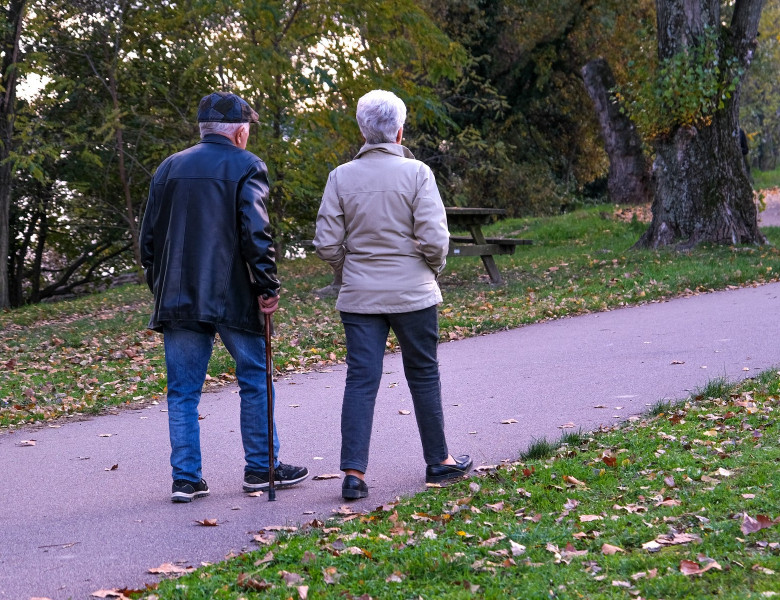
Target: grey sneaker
185 491
284 476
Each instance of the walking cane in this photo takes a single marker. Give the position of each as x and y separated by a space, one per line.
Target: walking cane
269 382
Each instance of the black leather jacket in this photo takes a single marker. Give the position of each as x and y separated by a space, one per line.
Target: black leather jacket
206 244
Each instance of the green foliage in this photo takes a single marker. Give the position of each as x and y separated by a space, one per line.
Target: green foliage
523 134
760 95
683 90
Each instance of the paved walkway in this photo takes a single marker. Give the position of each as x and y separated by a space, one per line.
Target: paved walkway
71 523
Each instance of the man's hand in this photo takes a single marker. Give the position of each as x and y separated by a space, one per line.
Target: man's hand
268 304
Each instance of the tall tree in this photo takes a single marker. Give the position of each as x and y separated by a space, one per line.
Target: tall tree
628 180
12 15
702 191
759 115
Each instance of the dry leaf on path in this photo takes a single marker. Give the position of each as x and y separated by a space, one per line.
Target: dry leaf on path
207 522
26 443
170 569
508 421
326 476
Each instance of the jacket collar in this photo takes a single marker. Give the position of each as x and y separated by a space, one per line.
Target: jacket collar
215 138
389 148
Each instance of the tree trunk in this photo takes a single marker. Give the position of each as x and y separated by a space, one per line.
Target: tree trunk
702 189
14 17
628 181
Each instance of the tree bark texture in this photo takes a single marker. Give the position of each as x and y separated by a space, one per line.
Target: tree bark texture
14 17
628 180
702 190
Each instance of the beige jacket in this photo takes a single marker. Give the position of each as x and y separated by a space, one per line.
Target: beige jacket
382 225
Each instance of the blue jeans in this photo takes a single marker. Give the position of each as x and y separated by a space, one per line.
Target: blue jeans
187 353
418 335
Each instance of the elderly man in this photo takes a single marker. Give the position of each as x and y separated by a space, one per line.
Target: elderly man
383 229
208 257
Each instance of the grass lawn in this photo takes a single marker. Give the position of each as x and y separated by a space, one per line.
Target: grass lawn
680 504
766 179
86 355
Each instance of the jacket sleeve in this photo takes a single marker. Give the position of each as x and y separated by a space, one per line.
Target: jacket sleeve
257 246
146 238
430 221
330 234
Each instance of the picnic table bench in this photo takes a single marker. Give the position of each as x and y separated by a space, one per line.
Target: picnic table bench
476 244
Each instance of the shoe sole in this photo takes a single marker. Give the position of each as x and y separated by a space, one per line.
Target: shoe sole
446 477
254 487
184 497
353 494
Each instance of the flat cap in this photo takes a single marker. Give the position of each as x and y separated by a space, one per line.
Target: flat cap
224 107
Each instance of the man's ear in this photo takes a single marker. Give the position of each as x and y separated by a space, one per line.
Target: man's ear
399 136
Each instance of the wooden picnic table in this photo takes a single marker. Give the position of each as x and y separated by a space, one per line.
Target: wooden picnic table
471 220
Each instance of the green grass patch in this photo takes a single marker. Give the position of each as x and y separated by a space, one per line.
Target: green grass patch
86 355
682 504
763 180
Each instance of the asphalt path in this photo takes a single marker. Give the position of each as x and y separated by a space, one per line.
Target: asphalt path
87 507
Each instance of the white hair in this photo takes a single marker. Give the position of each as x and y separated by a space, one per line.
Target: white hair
380 114
228 129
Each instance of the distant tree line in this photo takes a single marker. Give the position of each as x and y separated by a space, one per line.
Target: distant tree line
95 93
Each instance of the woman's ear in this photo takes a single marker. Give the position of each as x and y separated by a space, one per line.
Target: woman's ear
400 136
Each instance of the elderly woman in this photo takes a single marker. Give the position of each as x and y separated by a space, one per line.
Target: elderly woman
383 229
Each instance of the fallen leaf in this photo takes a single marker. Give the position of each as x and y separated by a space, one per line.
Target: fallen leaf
568 425
609 549
258 492
515 548
572 480
112 468
290 578
689 567
326 476
396 577
207 522
751 525
247 582
764 570
330 575
104 435
589 518
404 412
170 569
303 592
508 421
677 362
26 443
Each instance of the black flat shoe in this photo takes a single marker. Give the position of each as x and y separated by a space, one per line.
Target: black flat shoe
439 473
353 488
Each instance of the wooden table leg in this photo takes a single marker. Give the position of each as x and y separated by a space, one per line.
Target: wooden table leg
487 259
